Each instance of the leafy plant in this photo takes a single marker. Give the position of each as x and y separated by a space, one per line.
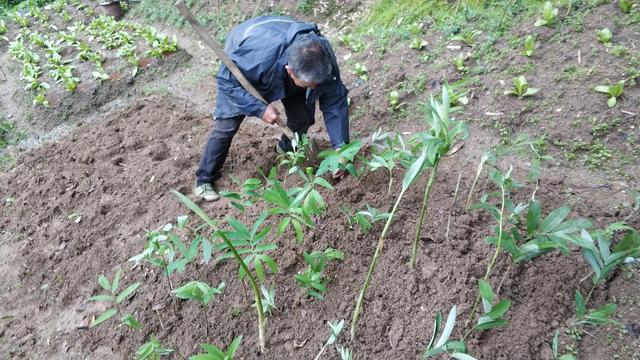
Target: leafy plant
356 44
614 92
198 291
521 88
604 36
604 258
455 348
248 196
215 353
467 37
394 101
458 62
339 159
366 218
243 266
361 71
529 46
313 280
548 16
600 316
418 44
152 350
268 299
20 20
493 313
554 348
627 5
444 131
249 242
114 297
336 329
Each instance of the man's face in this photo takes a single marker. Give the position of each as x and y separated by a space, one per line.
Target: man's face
299 82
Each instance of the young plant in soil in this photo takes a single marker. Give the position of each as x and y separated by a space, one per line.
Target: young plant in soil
627 5
200 292
339 160
444 131
467 37
387 156
604 36
313 280
249 194
521 88
366 218
548 16
454 348
243 266
614 92
152 350
493 312
458 62
529 46
215 353
115 298
336 328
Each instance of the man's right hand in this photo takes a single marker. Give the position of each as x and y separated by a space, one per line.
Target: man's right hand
271 115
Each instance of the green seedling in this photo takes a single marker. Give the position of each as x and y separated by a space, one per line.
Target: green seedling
388 156
161 45
20 20
100 74
115 298
250 244
356 44
340 159
458 62
41 98
249 195
288 204
467 37
521 88
59 5
529 46
604 259
152 350
200 292
345 353
454 348
215 353
614 92
418 44
292 160
361 71
336 329
600 316
241 262
313 280
85 53
554 348
493 313
394 101
627 5
444 132
604 36
548 16
268 300
457 98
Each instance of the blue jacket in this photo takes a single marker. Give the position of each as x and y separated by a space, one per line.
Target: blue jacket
258 46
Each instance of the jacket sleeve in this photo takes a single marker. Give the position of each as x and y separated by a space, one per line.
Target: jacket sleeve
335 109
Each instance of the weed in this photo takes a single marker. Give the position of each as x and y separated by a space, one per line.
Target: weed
115 298
604 36
548 15
521 88
215 353
614 92
313 280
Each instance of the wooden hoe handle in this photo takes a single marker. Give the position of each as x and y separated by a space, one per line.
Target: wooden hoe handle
217 49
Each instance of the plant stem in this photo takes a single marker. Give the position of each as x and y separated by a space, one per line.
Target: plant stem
390 181
320 353
425 202
372 266
493 260
453 204
506 8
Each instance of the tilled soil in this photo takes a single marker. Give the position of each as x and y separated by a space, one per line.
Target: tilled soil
81 207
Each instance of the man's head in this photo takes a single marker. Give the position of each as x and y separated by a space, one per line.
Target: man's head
308 63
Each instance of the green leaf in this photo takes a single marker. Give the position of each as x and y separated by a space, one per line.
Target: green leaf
461 356
414 170
492 324
499 309
233 347
486 292
533 216
104 317
130 321
581 308
436 329
554 218
126 292
448 327
298 229
108 298
567 357
554 343
612 101
207 249
104 282
116 280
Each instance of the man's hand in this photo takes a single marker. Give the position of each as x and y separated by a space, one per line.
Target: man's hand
271 115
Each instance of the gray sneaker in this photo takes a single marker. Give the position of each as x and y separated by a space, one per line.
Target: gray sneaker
206 192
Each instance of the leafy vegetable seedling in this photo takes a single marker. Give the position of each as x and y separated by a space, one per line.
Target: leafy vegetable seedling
152 350
467 37
521 88
366 218
215 353
529 46
604 36
361 70
418 44
627 5
455 348
313 279
493 313
604 259
115 298
339 160
548 15
614 92
600 316
458 62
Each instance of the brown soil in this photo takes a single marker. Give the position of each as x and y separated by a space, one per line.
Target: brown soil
81 207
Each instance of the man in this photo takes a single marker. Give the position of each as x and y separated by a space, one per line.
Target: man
284 60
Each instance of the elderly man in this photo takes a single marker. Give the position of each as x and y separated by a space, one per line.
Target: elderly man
284 60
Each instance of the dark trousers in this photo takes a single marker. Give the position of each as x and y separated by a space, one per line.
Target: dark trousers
300 117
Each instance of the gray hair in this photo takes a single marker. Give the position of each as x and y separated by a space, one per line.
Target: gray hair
309 60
